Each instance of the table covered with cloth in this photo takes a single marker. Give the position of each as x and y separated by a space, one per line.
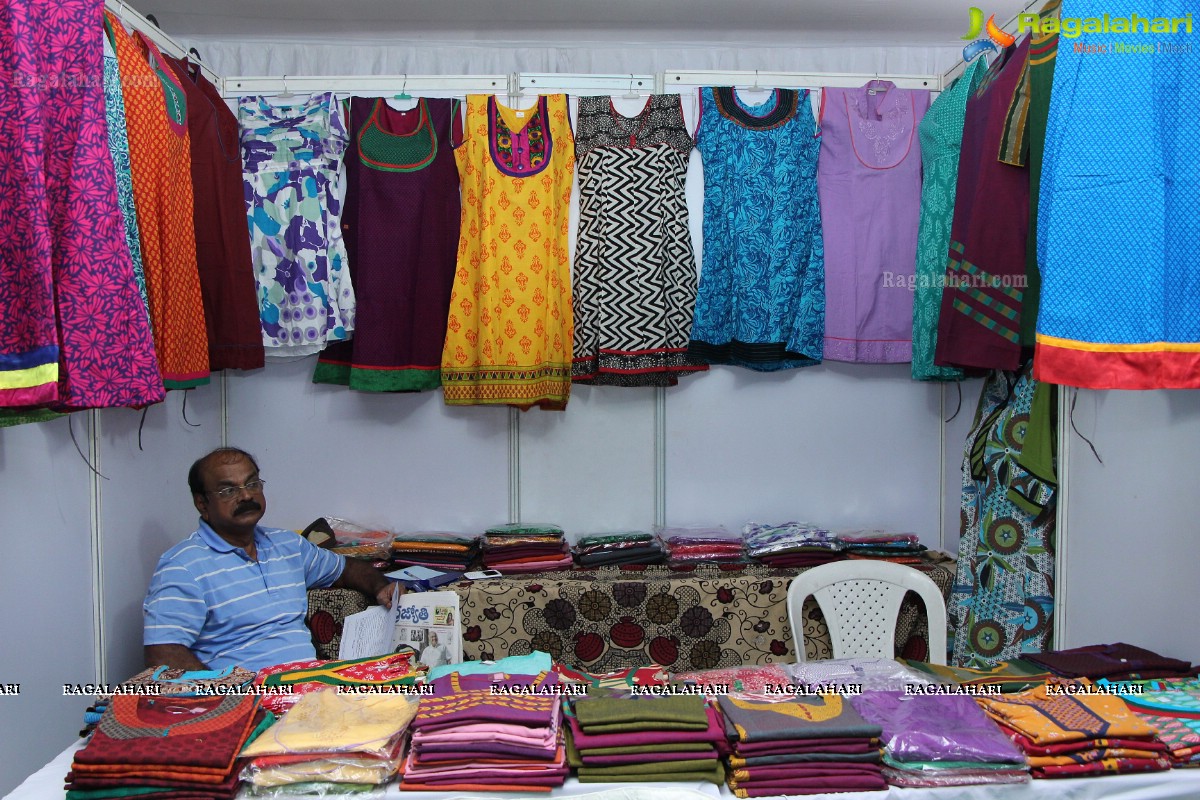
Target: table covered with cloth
610 618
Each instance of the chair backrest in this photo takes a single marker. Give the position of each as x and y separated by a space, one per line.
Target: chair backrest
860 600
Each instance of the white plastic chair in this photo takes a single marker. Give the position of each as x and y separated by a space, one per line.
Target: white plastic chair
860 600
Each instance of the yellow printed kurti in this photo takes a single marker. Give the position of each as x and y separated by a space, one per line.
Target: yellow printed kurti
510 328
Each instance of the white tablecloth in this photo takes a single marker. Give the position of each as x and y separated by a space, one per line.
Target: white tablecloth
1177 784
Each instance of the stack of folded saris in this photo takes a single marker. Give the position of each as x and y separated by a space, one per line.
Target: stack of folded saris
526 547
940 740
1067 730
282 685
435 549
331 742
792 544
689 546
488 732
646 739
901 548
1172 708
808 744
174 748
632 547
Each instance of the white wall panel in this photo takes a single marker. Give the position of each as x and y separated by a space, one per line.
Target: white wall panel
838 444
591 469
1133 535
401 461
46 626
146 506
963 397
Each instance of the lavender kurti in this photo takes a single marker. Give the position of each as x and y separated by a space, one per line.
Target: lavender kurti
869 182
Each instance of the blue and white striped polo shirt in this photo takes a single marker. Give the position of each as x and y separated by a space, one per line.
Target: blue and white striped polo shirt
208 596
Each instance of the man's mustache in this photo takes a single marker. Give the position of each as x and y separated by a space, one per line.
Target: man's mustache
249 505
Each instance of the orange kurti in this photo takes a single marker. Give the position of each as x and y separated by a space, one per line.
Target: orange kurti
161 168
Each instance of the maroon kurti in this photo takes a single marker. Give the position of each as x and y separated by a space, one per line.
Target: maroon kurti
227 286
400 224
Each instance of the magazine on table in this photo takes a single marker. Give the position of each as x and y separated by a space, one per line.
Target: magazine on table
426 622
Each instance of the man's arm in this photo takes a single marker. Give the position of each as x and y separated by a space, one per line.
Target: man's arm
173 655
366 579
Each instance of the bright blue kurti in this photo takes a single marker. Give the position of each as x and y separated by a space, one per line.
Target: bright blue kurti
761 301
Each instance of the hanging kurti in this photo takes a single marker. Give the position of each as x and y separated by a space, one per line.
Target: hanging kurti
400 225
635 273
941 139
160 163
1003 595
219 213
291 156
118 145
1118 221
1024 146
74 331
761 301
980 321
510 326
870 187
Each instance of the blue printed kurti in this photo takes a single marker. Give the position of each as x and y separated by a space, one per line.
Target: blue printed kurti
761 301
292 155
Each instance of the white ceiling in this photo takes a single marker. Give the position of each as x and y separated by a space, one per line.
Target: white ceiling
801 22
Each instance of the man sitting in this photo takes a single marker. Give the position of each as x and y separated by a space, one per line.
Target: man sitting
235 592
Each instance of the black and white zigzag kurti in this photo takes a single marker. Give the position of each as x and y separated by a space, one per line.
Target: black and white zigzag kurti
634 282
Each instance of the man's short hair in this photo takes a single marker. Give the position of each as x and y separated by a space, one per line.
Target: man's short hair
196 483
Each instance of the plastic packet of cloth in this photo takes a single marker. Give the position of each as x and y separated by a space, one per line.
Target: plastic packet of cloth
349 538
932 779
291 769
366 791
696 534
869 673
331 720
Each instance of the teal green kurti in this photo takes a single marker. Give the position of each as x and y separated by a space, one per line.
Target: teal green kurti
940 132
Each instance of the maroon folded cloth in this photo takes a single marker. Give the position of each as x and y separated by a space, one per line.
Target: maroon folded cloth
849 783
790 746
1110 766
433 753
809 770
1109 661
645 758
714 735
453 710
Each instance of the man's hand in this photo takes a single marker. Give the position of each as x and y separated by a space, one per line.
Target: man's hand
386 593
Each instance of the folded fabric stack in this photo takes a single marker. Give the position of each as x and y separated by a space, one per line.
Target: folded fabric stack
901 548
687 547
809 744
940 740
284 684
792 544
1008 676
1172 708
331 742
448 551
1066 733
761 679
167 681
1116 662
525 547
488 732
646 739
633 547
175 748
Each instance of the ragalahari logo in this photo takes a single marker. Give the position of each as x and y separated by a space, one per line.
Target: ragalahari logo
995 36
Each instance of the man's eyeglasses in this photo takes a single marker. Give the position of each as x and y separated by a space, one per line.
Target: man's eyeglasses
229 492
